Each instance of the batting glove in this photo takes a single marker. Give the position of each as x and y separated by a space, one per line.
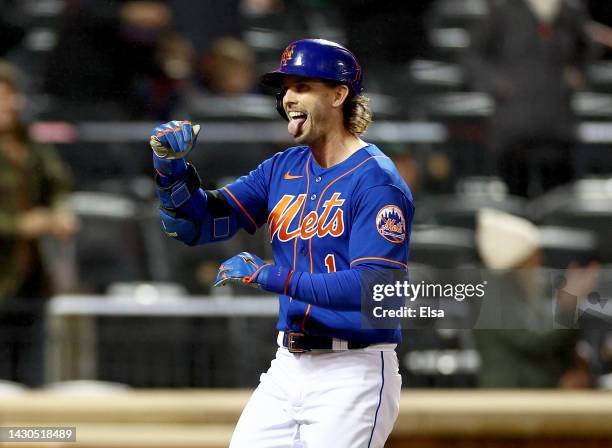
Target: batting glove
251 270
174 140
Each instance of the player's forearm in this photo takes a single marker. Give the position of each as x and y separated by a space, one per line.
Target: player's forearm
187 212
340 290
196 222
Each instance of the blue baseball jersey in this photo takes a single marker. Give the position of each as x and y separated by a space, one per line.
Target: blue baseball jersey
321 220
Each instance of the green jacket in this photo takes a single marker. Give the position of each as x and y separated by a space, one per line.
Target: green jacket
524 351
42 180
523 358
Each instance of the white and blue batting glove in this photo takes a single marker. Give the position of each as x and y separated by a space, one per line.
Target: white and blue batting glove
174 140
251 270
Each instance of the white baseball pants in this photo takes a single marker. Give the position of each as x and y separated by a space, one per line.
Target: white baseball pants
344 399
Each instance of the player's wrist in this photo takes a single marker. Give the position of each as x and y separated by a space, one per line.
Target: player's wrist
169 170
275 278
174 194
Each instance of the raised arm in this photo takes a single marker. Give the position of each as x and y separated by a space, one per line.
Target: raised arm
187 212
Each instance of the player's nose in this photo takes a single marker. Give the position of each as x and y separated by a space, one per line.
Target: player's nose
290 98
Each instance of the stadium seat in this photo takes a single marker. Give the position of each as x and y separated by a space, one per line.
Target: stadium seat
585 204
109 247
564 245
442 247
459 209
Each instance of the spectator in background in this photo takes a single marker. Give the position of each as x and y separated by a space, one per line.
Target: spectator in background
530 55
119 52
524 351
426 174
268 24
33 205
35 187
226 88
228 68
408 167
204 21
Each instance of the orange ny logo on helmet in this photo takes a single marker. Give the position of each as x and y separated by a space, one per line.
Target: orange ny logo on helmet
287 55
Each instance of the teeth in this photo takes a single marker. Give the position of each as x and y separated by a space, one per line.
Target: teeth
296 114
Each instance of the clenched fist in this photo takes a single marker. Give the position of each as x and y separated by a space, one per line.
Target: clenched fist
174 140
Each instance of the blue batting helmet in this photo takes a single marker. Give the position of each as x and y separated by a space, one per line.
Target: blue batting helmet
316 58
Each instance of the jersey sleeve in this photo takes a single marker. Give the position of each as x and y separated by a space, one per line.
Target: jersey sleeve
248 196
380 228
340 290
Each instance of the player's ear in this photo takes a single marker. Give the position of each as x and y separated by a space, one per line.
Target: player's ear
341 92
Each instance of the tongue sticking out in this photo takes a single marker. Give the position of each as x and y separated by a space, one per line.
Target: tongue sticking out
295 126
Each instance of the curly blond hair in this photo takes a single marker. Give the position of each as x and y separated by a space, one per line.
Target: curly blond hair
357 114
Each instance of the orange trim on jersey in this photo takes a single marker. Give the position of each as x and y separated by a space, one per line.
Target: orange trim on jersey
310 253
302 212
323 194
300 226
241 207
287 283
344 174
380 258
317 210
305 316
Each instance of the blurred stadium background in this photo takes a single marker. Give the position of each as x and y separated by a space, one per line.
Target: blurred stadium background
135 349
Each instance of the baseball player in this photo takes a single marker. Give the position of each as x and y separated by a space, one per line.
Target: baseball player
336 209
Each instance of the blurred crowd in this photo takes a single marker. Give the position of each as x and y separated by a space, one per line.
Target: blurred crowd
508 156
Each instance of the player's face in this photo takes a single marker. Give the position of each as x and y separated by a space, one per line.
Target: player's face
308 103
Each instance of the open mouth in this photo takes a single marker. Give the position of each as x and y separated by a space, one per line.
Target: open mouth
297 114
296 122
